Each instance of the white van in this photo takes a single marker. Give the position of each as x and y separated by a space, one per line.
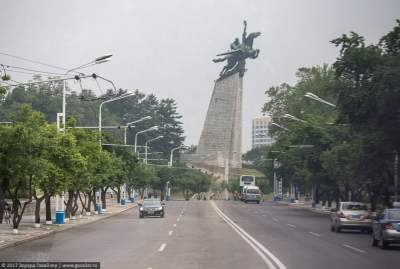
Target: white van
251 194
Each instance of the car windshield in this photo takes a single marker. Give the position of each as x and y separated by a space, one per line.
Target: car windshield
253 191
354 207
394 214
151 203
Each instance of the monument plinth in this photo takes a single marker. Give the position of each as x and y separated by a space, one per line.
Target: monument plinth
221 139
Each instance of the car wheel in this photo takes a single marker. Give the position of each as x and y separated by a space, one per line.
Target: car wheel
337 228
383 244
258 202
245 201
332 228
374 242
141 216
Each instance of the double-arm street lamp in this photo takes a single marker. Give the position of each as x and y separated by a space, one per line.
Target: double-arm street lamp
146 145
280 126
154 128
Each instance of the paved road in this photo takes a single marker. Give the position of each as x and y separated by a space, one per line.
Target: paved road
203 234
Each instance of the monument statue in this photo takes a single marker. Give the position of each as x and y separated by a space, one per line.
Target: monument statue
220 143
239 52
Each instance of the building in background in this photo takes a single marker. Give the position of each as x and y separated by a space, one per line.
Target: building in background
260 135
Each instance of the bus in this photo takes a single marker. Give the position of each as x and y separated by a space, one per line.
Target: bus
246 180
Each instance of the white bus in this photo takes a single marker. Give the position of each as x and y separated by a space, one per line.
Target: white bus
246 180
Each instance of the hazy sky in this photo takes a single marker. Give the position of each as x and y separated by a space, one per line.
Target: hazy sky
165 47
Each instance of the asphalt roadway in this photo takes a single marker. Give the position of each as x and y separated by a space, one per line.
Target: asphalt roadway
211 234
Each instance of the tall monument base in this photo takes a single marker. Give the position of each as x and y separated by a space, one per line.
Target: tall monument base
221 138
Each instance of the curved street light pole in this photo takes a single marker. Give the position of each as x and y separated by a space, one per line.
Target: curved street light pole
108 101
171 156
145 146
141 132
133 122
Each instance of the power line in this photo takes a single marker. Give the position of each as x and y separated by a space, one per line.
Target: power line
29 69
34 61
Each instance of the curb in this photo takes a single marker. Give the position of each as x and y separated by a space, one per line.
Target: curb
23 241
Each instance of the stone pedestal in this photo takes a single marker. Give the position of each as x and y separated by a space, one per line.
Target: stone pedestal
221 137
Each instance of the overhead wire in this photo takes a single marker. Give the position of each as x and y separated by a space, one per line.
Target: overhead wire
9 67
34 61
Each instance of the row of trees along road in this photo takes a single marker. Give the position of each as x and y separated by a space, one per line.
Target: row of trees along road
354 143
37 162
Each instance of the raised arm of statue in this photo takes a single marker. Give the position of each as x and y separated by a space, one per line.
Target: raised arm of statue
244 32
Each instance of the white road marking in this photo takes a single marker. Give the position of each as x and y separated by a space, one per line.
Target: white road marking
354 248
170 233
162 247
276 220
174 225
271 261
315 234
178 219
264 215
291 225
180 215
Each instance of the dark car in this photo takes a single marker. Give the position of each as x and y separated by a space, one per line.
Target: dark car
151 207
386 228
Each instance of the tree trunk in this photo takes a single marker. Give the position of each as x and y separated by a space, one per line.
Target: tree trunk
38 203
118 195
93 196
2 205
103 197
47 201
75 205
68 204
161 194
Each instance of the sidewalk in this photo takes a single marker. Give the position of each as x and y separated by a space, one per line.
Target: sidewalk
26 231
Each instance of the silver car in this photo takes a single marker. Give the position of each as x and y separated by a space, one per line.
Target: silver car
386 228
351 215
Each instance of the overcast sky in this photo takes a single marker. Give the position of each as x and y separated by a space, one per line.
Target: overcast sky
165 47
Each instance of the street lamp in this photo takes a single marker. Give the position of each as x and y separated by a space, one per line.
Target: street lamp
133 122
280 126
288 116
318 99
108 101
145 146
154 128
171 156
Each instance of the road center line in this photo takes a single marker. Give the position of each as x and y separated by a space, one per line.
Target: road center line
291 225
276 220
170 233
315 234
354 248
174 225
178 219
162 247
271 261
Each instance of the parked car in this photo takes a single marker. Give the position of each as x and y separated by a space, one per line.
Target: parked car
151 207
386 228
252 194
351 215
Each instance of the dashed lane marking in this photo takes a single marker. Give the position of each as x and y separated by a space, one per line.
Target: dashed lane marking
354 248
275 219
315 234
291 225
162 247
178 219
174 225
170 233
